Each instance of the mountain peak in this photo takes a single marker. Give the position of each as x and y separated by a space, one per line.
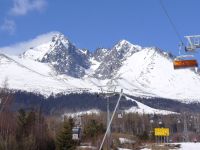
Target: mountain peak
114 58
58 38
126 44
44 44
139 71
123 41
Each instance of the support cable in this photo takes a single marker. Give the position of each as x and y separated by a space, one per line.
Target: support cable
171 22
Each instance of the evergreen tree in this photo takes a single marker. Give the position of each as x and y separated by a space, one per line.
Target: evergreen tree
21 123
64 138
93 129
30 122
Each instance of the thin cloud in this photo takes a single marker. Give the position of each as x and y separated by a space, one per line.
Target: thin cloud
21 47
22 7
8 26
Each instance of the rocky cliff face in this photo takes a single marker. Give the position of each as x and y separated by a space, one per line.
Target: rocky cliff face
63 56
112 59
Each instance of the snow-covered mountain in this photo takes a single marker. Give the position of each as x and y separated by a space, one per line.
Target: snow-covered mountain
114 58
62 55
55 65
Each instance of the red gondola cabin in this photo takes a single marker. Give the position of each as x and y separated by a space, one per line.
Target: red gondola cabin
180 64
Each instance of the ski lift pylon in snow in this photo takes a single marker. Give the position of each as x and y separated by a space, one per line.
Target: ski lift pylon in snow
180 64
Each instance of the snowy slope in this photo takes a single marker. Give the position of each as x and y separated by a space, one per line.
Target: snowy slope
183 146
21 77
81 113
144 109
37 48
28 75
189 146
151 72
51 64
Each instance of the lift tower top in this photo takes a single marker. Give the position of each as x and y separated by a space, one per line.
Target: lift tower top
193 43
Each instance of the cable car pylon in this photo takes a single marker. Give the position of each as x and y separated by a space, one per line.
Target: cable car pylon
113 114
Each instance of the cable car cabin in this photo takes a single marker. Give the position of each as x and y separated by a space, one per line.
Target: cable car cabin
181 64
120 114
76 133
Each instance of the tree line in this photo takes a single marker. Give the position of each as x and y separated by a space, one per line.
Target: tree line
32 128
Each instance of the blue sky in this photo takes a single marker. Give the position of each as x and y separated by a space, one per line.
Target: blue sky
99 23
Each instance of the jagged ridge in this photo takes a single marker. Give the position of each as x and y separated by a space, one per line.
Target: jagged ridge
139 71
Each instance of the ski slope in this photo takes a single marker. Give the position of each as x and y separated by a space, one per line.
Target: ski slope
144 109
